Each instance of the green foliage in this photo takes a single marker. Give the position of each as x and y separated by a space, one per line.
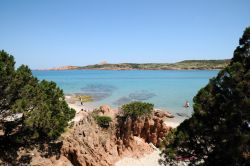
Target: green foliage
45 111
7 67
137 109
103 121
216 132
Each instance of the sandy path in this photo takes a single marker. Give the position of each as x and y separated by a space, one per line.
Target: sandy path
81 110
174 122
147 160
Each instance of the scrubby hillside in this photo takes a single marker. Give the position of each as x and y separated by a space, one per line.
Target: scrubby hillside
188 64
183 65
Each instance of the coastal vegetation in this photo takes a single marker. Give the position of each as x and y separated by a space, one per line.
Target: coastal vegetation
187 64
103 121
137 109
218 131
29 109
183 65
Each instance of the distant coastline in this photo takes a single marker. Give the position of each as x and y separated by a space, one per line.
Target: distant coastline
183 65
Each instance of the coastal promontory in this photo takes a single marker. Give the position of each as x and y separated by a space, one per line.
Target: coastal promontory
183 65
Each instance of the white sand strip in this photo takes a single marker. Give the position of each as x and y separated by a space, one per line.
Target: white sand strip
172 124
147 160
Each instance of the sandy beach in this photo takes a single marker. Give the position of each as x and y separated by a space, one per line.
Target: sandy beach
174 122
147 160
81 110
87 107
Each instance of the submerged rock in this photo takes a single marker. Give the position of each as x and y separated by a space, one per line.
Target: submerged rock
182 115
134 96
98 91
122 100
141 95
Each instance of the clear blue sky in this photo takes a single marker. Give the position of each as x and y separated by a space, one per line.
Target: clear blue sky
49 33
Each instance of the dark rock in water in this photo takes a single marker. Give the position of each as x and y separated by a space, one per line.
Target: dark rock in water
141 95
98 91
122 100
98 88
98 96
135 96
182 115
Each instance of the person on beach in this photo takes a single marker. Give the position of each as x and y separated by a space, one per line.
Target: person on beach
81 100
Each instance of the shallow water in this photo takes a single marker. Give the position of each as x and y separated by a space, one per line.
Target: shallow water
168 89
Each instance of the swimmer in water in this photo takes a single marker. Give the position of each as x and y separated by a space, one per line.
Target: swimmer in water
186 105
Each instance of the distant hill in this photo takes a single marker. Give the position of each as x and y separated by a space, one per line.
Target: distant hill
187 64
183 65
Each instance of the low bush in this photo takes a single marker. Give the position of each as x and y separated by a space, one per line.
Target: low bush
137 109
103 121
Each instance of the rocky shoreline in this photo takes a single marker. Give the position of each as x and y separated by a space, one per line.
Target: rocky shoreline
89 144
86 143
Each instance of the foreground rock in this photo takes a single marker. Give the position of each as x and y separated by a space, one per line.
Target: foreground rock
86 144
152 129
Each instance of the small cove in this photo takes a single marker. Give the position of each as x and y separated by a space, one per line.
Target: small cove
166 89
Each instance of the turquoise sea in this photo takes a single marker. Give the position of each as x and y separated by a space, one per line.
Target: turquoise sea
168 89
